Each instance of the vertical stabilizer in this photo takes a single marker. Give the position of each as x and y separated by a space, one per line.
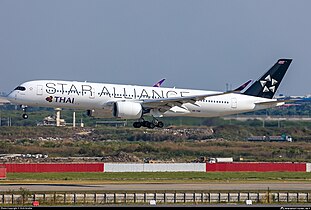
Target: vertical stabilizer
267 85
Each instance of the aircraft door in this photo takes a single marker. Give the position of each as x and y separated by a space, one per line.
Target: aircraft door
92 95
39 89
234 103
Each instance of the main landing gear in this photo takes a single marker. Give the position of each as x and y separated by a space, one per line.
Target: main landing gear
24 108
147 124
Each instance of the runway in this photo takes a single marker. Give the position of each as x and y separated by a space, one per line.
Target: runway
302 186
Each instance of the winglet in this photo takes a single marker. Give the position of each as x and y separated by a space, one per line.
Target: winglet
242 86
158 84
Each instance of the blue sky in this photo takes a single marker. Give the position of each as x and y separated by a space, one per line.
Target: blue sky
197 44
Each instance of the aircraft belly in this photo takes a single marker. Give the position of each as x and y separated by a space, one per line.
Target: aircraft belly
212 110
202 110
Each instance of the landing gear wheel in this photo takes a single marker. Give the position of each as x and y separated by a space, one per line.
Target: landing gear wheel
136 124
157 123
160 124
24 108
151 125
146 124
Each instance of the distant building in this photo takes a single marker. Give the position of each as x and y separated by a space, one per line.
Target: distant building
4 101
51 121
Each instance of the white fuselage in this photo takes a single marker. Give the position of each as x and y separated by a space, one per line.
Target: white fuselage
99 96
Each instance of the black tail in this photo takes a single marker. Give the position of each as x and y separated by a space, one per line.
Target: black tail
267 85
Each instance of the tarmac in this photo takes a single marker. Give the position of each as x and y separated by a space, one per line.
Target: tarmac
280 186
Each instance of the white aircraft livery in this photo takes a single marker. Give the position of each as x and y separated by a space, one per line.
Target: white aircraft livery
103 100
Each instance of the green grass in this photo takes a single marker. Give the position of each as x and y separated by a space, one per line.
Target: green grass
188 177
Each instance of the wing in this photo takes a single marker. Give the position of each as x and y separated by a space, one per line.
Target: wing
168 103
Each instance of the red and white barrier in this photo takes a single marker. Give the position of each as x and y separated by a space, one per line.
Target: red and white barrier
153 167
2 172
255 166
52 167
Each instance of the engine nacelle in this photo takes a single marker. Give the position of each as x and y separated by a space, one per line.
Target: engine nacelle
127 110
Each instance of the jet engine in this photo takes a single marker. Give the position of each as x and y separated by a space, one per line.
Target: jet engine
127 110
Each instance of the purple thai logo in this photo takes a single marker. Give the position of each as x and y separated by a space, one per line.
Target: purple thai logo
49 99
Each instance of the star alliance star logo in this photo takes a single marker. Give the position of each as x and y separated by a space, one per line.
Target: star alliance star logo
268 84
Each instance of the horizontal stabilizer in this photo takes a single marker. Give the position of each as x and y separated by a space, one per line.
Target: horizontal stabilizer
275 102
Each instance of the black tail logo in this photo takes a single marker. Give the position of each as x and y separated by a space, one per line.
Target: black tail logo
267 85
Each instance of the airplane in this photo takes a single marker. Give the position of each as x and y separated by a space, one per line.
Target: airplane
133 102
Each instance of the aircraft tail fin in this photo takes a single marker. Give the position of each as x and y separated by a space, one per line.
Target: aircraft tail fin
267 85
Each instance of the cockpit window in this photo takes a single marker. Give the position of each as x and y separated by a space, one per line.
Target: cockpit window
21 88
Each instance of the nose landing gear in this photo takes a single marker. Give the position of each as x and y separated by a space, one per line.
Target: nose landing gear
24 108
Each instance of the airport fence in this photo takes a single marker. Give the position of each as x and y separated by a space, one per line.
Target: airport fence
24 198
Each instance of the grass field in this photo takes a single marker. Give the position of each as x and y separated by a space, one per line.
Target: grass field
155 177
